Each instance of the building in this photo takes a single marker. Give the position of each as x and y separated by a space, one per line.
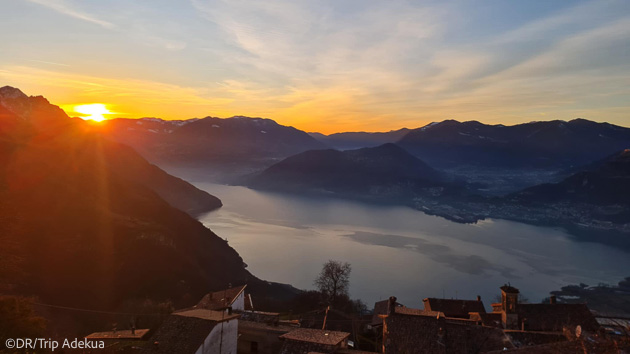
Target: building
421 331
454 308
125 341
380 308
261 337
259 332
551 317
308 340
233 297
118 336
463 326
196 331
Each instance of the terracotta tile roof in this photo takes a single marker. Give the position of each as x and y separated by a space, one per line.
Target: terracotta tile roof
424 334
179 334
216 316
380 308
262 317
553 317
221 299
454 308
409 311
126 334
317 336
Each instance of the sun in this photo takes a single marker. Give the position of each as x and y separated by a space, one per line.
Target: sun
93 111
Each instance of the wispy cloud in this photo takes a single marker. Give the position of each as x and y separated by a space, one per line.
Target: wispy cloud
66 9
356 64
393 61
130 22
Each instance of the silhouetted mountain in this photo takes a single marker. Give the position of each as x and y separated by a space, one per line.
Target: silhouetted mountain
596 200
357 140
380 172
606 182
84 220
553 144
47 120
211 139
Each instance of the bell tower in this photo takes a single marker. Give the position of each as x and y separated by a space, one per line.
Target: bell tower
509 302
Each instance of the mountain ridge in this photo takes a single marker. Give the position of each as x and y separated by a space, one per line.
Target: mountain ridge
357 140
81 226
383 172
210 139
542 144
35 113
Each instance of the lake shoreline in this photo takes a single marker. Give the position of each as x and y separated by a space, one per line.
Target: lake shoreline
285 238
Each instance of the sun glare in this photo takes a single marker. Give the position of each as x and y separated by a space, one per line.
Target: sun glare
93 111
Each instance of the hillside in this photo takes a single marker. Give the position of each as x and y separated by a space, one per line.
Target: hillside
83 222
386 171
357 140
549 145
45 120
198 141
607 182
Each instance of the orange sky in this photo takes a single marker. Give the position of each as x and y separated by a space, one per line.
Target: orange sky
325 66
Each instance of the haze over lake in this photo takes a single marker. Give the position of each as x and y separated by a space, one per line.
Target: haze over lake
403 252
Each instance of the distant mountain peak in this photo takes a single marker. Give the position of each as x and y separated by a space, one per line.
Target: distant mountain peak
10 92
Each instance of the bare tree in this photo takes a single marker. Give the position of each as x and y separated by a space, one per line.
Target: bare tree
334 280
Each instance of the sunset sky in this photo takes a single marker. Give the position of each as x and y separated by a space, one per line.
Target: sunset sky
329 65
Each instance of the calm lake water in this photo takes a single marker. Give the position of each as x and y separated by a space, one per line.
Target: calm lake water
403 252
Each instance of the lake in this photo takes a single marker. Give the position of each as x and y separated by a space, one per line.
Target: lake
403 252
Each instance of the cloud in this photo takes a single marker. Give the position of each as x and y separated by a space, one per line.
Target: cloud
64 8
371 64
384 60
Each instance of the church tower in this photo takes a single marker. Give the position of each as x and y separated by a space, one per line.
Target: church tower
509 302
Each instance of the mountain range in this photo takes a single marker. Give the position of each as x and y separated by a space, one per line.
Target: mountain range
87 222
383 172
596 197
550 145
543 145
199 141
603 183
357 140
498 159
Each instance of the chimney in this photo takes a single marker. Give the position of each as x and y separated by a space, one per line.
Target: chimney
552 299
478 298
391 305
